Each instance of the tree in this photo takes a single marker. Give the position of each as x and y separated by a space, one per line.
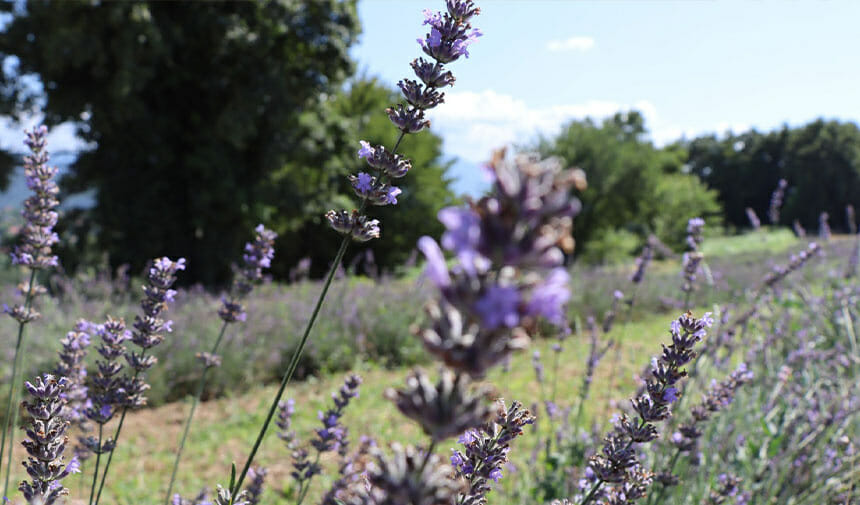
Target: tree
632 185
195 108
819 160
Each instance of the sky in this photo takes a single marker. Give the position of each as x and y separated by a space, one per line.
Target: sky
691 67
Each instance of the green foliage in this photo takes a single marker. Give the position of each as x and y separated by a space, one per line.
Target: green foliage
820 161
193 108
632 185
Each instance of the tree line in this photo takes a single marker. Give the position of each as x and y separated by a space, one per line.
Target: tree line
208 118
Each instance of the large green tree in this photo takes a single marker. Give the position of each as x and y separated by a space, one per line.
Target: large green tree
201 113
633 186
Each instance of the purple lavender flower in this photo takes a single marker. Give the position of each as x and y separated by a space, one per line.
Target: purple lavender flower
46 442
499 306
695 227
799 230
617 463
824 232
776 201
254 490
642 263
257 257
755 222
449 38
550 297
37 235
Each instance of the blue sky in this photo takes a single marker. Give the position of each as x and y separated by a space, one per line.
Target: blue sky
691 67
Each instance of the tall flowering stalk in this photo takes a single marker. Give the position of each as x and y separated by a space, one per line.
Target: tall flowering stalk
34 252
258 256
71 366
776 201
686 439
148 332
755 222
507 277
824 232
46 442
106 394
449 38
618 463
693 258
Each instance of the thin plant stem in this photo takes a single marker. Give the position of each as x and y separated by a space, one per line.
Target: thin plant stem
115 440
291 368
11 418
201 385
96 469
618 349
294 360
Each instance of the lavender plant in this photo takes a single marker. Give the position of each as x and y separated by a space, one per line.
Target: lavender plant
148 333
755 222
776 201
46 442
71 366
618 463
824 232
449 38
258 255
33 253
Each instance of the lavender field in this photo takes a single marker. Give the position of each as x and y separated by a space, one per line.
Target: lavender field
608 321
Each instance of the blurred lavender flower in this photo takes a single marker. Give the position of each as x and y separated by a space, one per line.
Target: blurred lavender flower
695 227
254 490
753 219
617 463
690 267
350 474
258 256
71 366
411 476
824 226
795 263
286 409
799 230
851 219
509 272
444 409
718 397
200 499
727 489
642 263
38 235
449 38
47 441
538 366
776 201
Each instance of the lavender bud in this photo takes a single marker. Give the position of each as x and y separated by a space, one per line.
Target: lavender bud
776 201
254 489
47 441
445 409
824 226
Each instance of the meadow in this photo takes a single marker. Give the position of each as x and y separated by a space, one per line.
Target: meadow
717 367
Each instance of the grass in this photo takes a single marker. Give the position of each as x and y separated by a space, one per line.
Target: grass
224 428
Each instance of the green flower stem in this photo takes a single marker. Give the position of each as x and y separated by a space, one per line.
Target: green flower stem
201 385
11 418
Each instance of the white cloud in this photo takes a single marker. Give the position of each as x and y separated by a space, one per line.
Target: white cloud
578 43
473 124
60 138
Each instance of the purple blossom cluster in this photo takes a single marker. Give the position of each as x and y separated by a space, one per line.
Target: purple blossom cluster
71 366
510 249
258 255
108 387
46 442
755 222
450 36
485 451
38 236
642 263
718 397
799 230
330 437
695 230
795 263
824 232
618 463
776 201
150 327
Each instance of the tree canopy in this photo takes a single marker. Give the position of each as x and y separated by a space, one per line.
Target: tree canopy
819 160
633 187
208 117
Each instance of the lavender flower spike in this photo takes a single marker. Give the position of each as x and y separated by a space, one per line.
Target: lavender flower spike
38 235
34 252
47 442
